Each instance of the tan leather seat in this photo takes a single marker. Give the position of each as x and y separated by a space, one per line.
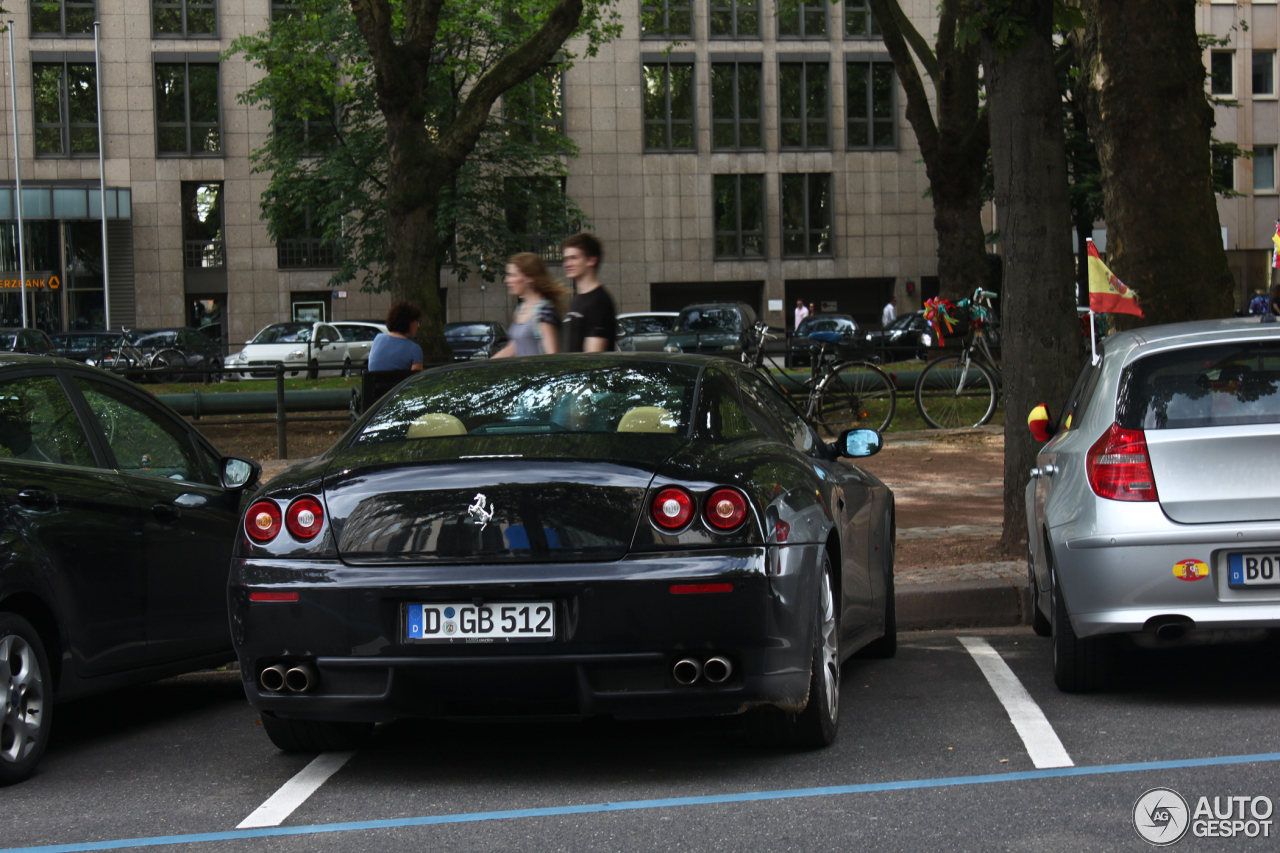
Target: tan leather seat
647 419
435 425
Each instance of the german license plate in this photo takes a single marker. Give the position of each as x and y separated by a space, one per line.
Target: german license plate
1262 569
526 621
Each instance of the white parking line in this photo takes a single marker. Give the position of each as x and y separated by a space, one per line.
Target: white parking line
295 792
1039 737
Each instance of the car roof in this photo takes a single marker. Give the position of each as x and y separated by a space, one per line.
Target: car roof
22 359
650 314
727 304
1137 343
356 323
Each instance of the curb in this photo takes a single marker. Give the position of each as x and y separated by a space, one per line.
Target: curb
963 604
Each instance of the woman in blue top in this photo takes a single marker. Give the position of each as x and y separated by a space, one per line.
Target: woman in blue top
535 329
394 350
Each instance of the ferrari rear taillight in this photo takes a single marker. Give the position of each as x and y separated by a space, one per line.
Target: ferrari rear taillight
726 509
1119 466
304 518
262 522
672 508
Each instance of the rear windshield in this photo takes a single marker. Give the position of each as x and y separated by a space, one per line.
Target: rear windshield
515 398
1222 385
284 333
467 330
708 320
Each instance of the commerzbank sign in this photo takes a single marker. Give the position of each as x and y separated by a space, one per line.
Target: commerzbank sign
35 280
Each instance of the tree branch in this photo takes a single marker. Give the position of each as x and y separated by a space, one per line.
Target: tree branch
887 12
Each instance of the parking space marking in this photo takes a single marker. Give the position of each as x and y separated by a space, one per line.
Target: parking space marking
295 792
1037 735
635 805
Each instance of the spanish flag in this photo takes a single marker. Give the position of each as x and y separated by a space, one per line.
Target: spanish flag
1108 294
1275 240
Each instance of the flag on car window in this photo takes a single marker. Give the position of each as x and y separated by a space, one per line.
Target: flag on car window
1108 294
1275 239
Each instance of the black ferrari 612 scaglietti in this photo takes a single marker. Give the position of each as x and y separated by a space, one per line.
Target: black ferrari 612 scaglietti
633 535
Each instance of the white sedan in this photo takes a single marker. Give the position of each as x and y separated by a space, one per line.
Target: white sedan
303 348
359 335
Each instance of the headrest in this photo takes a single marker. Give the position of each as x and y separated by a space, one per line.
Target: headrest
435 425
647 419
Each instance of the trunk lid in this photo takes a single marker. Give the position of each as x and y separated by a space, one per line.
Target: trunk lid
1217 474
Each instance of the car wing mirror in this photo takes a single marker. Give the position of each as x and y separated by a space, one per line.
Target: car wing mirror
239 473
1041 423
859 443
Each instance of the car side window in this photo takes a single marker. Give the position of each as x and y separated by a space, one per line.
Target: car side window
1073 408
143 440
38 424
722 415
798 432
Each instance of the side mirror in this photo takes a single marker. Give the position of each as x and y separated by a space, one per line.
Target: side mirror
239 473
859 443
1041 424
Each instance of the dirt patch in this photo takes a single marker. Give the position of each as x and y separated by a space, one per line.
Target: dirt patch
256 439
913 554
948 481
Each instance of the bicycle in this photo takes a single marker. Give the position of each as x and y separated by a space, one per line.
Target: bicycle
841 393
128 358
957 391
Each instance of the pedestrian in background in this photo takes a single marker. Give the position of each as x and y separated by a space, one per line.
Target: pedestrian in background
593 323
535 328
1260 303
393 349
801 312
1275 298
890 312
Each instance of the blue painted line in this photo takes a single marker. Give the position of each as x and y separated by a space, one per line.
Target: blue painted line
635 805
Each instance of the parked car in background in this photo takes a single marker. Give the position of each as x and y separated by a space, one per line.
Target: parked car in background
908 336
645 332
474 339
712 327
842 324
31 341
1154 509
308 349
193 349
359 335
661 536
118 534
82 346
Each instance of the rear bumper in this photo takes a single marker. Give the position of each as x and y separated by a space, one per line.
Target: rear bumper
619 631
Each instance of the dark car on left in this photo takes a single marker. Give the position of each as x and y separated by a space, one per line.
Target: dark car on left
85 345
31 341
193 349
117 525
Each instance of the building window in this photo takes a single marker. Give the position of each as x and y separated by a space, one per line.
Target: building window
1222 72
537 215
666 18
804 104
1264 72
668 106
315 131
185 18
735 19
534 110
805 20
1264 168
65 96
283 10
871 91
69 18
187 113
305 247
1224 170
806 215
738 202
859 23
202 237
736 105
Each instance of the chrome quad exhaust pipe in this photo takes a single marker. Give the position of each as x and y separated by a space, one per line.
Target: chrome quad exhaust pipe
272 678
301 678
686 671
717 669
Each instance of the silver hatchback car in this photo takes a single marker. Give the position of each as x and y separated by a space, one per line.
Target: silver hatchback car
1154 509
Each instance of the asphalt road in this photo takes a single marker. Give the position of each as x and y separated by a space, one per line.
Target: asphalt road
942 765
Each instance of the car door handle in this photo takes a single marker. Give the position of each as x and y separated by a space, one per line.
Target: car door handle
37 498
165 512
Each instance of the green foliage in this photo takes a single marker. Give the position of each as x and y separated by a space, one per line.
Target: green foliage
327 150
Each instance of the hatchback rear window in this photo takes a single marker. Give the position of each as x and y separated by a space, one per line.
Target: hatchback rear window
1221 385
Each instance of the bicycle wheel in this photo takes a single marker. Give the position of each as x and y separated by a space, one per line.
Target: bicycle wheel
162 361
950 395
856 394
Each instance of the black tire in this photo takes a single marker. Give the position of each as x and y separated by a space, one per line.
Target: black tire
166 358
315 735
346 368
817 725
27 712
856 394
950 398
887 645
313 369
1040 623
215 376
1079 666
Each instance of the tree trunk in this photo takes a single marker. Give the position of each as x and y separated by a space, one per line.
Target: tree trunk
957 221
1151 121
1040 333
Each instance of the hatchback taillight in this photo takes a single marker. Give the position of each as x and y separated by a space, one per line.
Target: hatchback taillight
672 508
1119 467
304 517
726 509
262 522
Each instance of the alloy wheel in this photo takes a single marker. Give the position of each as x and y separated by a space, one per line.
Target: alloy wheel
829 655
23 698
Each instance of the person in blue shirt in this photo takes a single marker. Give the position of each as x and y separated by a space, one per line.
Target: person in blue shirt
394 350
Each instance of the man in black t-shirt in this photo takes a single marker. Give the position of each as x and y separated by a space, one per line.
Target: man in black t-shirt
593 323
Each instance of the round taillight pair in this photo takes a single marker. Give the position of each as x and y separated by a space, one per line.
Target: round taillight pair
673 508
304 518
